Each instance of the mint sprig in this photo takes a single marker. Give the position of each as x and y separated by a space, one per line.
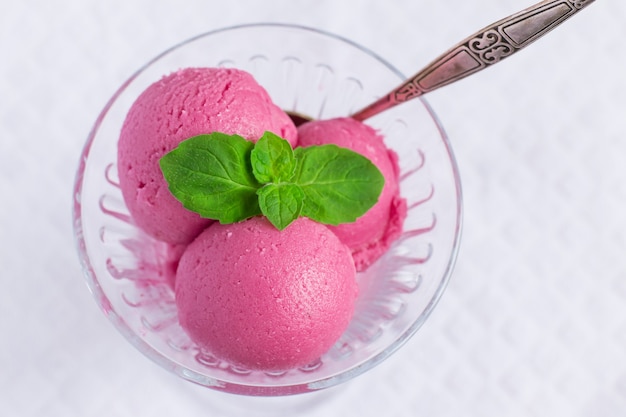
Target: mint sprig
227 178
274 166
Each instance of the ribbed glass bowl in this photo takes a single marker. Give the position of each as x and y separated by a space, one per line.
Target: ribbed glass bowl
308 72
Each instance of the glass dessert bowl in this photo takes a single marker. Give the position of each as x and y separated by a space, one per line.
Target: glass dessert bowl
310 73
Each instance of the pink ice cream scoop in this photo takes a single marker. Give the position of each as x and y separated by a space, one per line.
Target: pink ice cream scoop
372 234
183 104
264 299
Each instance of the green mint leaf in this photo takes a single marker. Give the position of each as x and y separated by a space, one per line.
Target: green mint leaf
339 184
281 203
272 159
211 175
227 178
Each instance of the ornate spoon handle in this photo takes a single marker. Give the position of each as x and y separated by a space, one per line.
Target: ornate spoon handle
479 51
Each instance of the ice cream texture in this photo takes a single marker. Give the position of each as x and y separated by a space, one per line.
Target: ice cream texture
264 299
372 234
181 105
249 294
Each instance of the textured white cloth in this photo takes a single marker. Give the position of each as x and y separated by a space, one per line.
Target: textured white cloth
534 320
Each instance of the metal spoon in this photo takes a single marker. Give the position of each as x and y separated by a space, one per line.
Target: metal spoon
481 50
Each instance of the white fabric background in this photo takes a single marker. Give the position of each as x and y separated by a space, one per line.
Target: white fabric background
534 320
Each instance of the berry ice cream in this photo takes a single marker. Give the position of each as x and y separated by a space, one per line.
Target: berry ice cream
259 294
266 299
372 234
186 103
